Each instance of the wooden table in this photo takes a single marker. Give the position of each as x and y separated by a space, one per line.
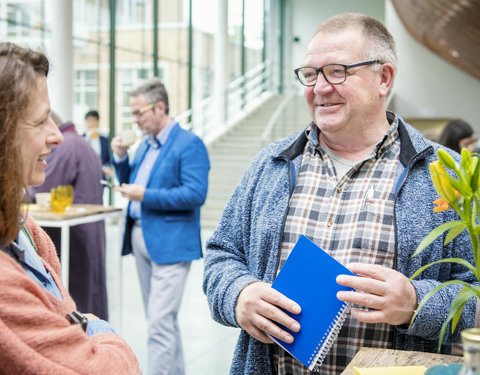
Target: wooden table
371 357
75 215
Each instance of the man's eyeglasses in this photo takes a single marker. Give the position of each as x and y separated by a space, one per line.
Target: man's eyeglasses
333 73
140 112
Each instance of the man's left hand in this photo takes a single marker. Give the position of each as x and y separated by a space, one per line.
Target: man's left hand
389 294
131 191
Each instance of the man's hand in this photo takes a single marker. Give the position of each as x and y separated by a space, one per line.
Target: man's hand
117 147
388 292
258 311
131 191
108 171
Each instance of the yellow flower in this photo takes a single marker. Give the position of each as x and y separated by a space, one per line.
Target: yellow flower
441 182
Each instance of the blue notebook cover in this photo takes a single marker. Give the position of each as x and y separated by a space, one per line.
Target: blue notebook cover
308 278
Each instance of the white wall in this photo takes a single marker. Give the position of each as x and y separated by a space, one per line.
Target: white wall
427 85
307 15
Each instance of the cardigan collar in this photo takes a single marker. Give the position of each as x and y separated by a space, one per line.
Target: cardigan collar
407 149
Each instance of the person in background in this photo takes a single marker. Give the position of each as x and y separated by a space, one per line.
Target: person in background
75 163
99 143
40 330
356 182
458 134
166 184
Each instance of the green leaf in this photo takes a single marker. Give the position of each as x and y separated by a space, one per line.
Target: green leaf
454 232
466 159
456 184
462 298
432 292
461 261
475 175
456 318
463 186
434 234
455 312
473 291
446 159
476 289
474 164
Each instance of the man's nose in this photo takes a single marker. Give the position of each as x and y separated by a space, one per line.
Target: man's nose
322 85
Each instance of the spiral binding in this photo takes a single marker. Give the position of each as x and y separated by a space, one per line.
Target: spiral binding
328 339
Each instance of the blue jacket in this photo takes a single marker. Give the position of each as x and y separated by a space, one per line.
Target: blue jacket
175 191
245 246
104 150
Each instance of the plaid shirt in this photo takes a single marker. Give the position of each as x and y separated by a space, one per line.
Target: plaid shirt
352 219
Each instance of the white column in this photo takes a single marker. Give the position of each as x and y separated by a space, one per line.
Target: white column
221 62
60 54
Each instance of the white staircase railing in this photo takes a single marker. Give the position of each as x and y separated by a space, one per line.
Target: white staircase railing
291 115
267 135
241 93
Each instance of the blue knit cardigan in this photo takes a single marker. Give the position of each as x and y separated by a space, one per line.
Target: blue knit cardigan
244 248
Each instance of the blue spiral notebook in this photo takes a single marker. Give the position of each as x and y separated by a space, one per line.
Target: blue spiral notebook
308 278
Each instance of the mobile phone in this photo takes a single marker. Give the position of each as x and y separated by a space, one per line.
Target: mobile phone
107 183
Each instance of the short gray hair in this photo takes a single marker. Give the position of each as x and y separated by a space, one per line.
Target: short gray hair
154 91
380 44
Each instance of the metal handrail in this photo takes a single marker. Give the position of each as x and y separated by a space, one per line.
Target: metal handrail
266 135
183 119
239 93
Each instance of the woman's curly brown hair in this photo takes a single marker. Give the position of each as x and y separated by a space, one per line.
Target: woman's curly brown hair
19 70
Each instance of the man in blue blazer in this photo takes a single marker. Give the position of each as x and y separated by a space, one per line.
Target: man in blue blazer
166 184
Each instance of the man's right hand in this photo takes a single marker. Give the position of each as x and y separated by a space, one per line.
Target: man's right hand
117 147
258 311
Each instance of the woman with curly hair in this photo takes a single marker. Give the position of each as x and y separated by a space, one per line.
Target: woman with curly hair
40 330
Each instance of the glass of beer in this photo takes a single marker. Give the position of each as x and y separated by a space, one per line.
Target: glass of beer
58 200
69 192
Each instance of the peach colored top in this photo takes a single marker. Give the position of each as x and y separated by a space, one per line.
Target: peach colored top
35 336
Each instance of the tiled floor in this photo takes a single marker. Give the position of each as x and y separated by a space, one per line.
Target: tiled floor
208 346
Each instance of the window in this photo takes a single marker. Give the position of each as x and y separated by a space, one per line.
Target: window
127 80
86 92
18 20
134 12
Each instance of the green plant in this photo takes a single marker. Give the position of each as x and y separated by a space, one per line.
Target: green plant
462 195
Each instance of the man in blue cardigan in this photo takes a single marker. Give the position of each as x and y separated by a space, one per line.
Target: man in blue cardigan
166 184
356 182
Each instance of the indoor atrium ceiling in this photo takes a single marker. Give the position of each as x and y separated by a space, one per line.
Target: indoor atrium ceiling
450 28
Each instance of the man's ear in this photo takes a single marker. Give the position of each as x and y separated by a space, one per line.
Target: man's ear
386 79
160 106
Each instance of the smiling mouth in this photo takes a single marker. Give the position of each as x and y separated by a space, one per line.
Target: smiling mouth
328 105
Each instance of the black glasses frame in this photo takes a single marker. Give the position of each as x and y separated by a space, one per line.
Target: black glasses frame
345 67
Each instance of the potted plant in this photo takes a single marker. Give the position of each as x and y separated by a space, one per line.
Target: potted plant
462 195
